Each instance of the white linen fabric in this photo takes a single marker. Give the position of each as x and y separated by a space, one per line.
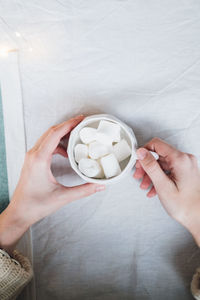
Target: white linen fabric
140 61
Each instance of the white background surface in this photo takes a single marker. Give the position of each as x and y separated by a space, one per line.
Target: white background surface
137 60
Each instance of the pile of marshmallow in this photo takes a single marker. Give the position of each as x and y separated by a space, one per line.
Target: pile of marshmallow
102 150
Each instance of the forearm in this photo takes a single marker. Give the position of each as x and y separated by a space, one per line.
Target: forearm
12 228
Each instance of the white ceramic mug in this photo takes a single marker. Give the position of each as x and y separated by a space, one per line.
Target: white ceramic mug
93 121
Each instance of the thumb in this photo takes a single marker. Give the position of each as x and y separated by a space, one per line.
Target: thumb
160 180
81 191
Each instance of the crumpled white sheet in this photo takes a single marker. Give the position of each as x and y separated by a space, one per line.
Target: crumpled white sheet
140 61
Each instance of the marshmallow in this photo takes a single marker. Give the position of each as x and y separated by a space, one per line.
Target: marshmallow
101 174
90 168
97 150
110 165
87 135
109 129
122 150
80 151
103 138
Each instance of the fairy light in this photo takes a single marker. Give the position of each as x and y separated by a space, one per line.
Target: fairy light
4 51
21 43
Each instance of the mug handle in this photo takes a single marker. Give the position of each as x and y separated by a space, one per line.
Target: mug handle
155 155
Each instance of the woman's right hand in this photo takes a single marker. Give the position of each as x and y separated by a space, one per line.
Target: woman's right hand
176 180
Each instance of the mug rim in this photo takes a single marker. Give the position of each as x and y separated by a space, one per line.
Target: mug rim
91 119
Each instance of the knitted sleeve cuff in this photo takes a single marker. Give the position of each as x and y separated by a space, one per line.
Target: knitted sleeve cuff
195 285
15 273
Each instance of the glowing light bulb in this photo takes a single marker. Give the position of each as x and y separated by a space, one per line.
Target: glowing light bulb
30 49
17 34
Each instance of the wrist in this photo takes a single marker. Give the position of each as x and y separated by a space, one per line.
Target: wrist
193 225
12 228
196 235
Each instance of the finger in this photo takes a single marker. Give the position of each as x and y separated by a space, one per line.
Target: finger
51 141
46 133
159 179
164 165
152 192
161 158
81 191
162 148
146 182
61 150
39 141
139 173
138 164
177 161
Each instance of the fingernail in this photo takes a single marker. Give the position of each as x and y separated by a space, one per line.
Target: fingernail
141 153
100 188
